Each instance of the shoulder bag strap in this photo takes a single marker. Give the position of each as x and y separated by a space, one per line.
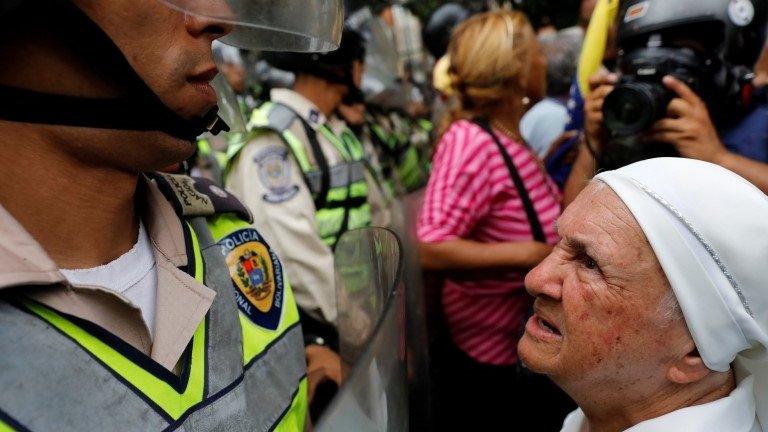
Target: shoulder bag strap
533 217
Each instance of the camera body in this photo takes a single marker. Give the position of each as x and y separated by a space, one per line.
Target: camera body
711 45
639 98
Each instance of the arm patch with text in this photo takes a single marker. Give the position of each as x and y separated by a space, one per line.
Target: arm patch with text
257 277
275 174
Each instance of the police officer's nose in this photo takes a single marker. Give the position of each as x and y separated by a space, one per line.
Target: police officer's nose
212 28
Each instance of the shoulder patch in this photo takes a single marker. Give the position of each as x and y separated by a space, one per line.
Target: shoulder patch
257 277
197 196
275 174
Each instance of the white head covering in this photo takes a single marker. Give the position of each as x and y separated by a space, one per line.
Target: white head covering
709 230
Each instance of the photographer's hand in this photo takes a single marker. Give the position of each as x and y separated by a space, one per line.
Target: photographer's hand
688 126
690 129
600 84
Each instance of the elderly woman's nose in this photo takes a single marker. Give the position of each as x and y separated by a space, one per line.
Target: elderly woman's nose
544 279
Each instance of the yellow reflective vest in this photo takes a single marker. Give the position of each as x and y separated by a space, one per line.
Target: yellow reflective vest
243 370
340 192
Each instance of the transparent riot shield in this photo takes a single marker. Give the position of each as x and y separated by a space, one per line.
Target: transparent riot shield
371 322
420 389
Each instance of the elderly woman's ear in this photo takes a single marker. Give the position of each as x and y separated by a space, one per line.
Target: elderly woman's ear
689 368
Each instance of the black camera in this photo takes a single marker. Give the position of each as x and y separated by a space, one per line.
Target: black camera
640 99
711 45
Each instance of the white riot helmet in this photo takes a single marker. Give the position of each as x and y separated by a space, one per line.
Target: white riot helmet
296 25
269 25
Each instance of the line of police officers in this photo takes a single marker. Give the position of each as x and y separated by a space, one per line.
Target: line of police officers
226 351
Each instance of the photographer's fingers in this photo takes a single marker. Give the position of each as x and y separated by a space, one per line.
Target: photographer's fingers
679 108
681 89
596 99
594 111
602 78
595 105
601 92
667 125
670 137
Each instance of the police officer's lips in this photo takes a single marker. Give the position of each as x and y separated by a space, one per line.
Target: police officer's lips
201 82
543 326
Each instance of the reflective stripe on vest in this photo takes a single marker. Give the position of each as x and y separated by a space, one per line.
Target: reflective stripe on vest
346 206
341 176
400 155
411 173
67 374
8 424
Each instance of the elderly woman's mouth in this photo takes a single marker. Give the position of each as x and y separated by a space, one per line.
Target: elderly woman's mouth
549 327
541 328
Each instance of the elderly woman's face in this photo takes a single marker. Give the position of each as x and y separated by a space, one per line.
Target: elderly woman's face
597 313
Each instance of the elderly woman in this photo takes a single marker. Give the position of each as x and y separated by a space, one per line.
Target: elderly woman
487 218
652 311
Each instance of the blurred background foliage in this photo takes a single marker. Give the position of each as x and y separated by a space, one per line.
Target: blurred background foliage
560 13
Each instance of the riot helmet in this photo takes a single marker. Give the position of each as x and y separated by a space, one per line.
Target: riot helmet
287 25
437 32
395 61
711 45
335 66
732 30
255 24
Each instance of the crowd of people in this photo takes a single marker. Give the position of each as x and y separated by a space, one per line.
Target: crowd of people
585 207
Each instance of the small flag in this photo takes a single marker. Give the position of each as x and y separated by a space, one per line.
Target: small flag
595 41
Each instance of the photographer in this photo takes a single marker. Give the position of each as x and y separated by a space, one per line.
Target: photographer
689 50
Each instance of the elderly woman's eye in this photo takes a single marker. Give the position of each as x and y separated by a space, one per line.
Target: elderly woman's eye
589 263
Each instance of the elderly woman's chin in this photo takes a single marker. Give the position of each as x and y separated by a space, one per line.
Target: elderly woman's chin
540 348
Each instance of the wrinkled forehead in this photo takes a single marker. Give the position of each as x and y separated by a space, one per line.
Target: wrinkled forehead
600 219
599 205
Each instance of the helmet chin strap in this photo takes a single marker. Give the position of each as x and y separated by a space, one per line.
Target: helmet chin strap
142 110
124 113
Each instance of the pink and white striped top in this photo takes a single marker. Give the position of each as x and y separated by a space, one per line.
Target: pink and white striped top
471 195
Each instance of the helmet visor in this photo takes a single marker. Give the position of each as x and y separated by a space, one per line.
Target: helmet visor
229 107
269 25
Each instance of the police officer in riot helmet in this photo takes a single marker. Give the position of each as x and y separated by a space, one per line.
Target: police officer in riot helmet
310 174
338 67
678 61
132 299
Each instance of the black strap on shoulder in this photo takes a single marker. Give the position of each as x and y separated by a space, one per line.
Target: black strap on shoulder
196 196
350 202
322 163
285 121
533 217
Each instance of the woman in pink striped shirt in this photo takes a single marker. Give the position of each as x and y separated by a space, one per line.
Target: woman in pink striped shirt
474 227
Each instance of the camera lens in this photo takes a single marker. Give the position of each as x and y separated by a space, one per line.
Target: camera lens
633 107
